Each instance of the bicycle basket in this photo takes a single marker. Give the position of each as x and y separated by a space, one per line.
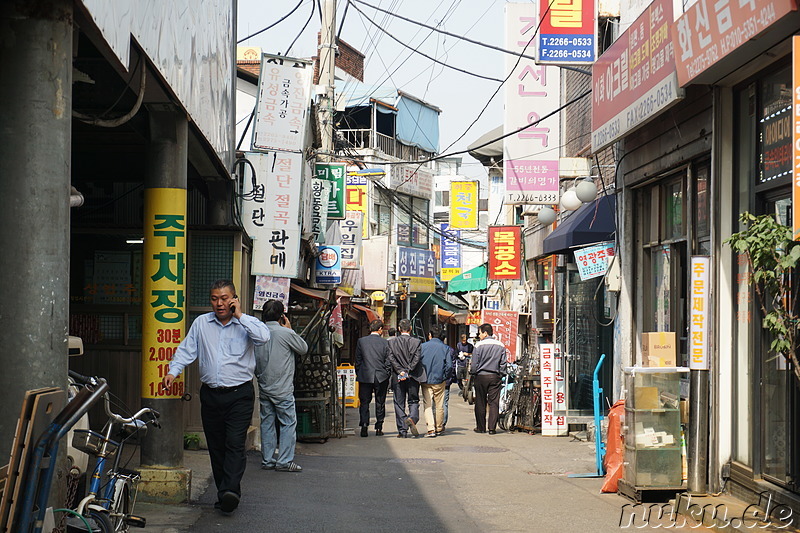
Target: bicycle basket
93 443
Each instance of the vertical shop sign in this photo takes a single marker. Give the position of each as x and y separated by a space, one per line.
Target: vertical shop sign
504 327
328 266
505 252
464 205
450 253
593 261
699 333
320 191
336 322
532 92
796 137
350 229
284 93
375 253
334 173
269 288
553 400
164 306
357 199
568 32
420 266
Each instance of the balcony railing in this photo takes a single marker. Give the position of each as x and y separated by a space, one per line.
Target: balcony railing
361 139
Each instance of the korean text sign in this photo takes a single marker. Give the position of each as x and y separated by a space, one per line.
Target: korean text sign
796 137
530 156
699 334
450 253
504 328
271 213
350 229
419 265
269 288
357 198
593 261
333 172
710 30
164 309
635 78
505 252
554 424
284 94
320 191
568 34
464 204
328 266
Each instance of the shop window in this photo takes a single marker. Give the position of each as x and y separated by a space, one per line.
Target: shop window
412 221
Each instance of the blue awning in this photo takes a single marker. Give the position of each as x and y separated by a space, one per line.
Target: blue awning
591 223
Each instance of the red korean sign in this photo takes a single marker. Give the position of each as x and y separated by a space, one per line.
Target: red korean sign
796 137
474 317
712 29
505 252
504 327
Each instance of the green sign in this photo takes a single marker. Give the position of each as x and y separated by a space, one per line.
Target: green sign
333 172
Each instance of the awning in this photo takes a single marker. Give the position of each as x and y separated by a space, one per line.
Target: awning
471 280
435 299
371 315
493 151
314 293
450 317
591 223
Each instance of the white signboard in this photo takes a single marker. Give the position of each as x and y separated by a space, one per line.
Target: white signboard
413 180
376 256
320 190
593 261
350 229
269 288
699 333
554 423
284 94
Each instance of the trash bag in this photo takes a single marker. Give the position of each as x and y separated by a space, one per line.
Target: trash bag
615 447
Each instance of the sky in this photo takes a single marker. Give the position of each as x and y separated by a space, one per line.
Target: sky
461 97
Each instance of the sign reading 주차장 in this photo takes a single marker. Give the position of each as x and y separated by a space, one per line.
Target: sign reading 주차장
530 156
568 32
593 261
450 266
419 265
164 266
464 204
504 328
328 266
284 93
333 172
635 78
505 252
553 399
699 334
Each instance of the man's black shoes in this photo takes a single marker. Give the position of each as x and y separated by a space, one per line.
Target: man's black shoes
379 433
228 502
492 432
364 432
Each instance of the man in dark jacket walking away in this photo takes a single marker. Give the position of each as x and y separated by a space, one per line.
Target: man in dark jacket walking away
372 374
438 364
488 368
407 374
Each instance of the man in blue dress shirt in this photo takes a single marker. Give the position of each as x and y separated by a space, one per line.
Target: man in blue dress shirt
223 342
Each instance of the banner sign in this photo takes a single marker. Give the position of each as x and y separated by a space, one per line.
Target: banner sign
320 191
284 95
357 199
553 399
635 79
333 172
504 326
568 32
269 288
530 157
271 212
796 137
699 333
328 266
164 272
505 252
450 253
413 180
593 261
464 204
350 229
420 266
711 30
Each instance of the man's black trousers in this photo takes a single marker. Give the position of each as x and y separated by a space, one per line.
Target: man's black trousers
365 392
487 390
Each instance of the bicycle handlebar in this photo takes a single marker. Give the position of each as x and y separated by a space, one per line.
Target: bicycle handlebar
93 381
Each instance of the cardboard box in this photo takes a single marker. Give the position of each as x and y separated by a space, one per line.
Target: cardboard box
658 349
646 398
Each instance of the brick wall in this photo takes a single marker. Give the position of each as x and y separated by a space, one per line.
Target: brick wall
349 60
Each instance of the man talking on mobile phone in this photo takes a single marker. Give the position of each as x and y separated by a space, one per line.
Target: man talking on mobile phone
223 342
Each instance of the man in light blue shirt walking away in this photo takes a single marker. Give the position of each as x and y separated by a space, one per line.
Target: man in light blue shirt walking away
275 372
223 342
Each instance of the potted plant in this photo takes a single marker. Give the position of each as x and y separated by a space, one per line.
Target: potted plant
191 441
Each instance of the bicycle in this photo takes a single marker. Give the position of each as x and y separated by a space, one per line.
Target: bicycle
109 507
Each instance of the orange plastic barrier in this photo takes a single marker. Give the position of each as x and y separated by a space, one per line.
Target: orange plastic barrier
615 447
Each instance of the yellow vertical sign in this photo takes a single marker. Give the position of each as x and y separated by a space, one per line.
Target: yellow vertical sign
796 137
356 199
163 303
463 205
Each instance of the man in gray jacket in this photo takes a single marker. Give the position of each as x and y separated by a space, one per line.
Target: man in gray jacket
488 368
275 373
407 374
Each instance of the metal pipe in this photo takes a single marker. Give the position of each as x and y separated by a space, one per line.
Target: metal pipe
698 432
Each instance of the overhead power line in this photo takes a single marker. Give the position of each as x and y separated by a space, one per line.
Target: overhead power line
287 15
313 8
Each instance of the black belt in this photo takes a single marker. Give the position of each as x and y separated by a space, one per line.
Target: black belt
225 389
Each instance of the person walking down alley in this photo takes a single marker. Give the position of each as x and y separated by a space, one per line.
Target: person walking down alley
437 362
275 365
407 373
488 368
223 341
464 353
372 374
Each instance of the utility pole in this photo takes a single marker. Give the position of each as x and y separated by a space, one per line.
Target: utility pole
327 66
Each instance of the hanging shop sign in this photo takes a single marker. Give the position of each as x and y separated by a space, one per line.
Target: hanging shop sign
796 137
271 212
699 333
593 261
419 266
350 229
378 296
450 266
554 423
504 327
568 32
164 266
284 94
328 266
533 92
505 252
474 318
320 191
491 304
270 288
709 31
357 198
413 180
635 79
334 173
336 322
464 205
376 255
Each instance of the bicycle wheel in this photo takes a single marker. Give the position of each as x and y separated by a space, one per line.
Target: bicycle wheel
121 507
102 521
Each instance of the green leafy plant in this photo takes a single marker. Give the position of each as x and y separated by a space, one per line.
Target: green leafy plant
773 256
191 441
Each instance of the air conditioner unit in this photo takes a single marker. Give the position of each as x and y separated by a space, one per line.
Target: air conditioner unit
545 310
518 300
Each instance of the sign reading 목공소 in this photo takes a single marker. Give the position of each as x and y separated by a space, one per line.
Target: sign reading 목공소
284 93
568 32
553 399
419 265
635 78
505 252
450 253
699 334
464 205
164 266
333 172
530 156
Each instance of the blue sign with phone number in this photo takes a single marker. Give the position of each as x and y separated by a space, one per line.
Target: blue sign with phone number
567 48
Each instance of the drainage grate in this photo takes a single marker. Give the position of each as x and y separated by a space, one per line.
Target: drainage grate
417 461
472 449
